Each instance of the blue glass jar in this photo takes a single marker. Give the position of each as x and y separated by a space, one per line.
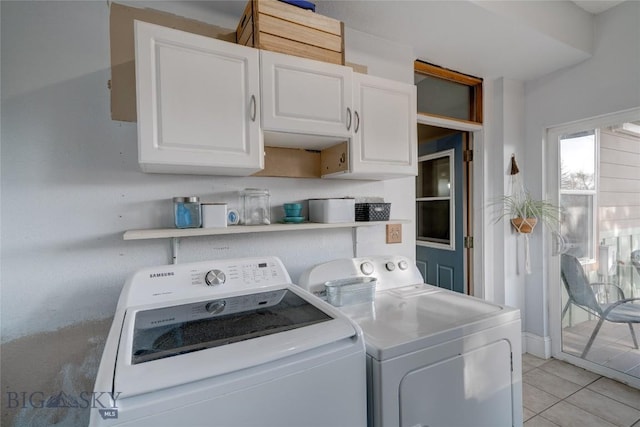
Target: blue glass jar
186 212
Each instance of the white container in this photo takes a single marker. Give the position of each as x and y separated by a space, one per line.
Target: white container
354 290
214 215
332 210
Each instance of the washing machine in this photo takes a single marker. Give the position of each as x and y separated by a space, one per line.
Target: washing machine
228 343
434 357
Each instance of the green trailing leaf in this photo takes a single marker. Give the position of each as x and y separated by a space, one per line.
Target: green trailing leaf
522 205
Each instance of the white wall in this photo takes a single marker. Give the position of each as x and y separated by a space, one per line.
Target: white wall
508 97
606 83
71 183
503 247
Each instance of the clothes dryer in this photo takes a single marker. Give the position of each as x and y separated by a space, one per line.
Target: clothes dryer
434 357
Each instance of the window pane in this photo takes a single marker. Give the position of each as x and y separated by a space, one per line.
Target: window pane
434 178
433 221
577 224
578 161
443 97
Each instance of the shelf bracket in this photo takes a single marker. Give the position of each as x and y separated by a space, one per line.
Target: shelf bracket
175 243
354 240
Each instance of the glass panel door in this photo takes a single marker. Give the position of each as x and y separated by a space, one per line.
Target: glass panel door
440 212
578 193
599 191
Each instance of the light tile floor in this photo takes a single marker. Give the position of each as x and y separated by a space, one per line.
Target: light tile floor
613 346
556 393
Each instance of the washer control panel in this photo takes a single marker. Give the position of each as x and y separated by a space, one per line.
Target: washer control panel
208 279
247 273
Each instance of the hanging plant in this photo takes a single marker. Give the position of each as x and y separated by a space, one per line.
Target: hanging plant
523 210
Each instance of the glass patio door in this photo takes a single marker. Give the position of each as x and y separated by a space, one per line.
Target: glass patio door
598 247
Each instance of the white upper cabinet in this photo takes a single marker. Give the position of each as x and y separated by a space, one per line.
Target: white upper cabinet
198 104
305 96
205 106
385 129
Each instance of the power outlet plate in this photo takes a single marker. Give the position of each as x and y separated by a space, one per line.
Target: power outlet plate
394 233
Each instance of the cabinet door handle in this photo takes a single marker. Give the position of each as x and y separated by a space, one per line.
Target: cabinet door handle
357 125
253 108
348 118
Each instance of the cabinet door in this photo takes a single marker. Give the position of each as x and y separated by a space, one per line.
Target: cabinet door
198 104
305 96
385 129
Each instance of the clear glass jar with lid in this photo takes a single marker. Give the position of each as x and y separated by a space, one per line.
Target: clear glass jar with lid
186 212
256 209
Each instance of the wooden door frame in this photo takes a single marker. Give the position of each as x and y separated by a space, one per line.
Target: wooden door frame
473 176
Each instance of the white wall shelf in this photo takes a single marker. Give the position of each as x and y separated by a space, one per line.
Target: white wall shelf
176 233
166 233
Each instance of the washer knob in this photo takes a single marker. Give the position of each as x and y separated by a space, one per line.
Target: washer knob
366 268
215 277
390 266
403 265
215 307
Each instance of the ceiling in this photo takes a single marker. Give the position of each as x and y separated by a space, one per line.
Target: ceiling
597 6
520 40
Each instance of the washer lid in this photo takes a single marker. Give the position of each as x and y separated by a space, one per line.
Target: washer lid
166 346
409 318
175 330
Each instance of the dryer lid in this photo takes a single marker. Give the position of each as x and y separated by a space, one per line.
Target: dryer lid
414 317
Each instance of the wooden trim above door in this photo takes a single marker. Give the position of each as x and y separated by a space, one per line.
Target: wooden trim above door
474 83
446 74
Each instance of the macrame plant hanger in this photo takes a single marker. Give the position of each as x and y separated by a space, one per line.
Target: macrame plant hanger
523 225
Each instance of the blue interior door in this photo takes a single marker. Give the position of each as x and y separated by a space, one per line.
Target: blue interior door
439 213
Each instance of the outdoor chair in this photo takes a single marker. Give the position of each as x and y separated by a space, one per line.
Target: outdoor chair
603 300
635 260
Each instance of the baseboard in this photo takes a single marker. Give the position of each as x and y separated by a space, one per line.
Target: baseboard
536 345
